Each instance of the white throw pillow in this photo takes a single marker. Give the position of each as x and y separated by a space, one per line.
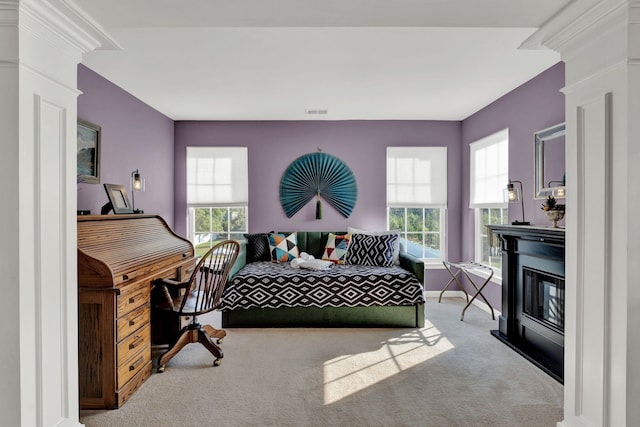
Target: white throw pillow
396 246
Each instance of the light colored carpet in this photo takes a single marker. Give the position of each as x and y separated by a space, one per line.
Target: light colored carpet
449 373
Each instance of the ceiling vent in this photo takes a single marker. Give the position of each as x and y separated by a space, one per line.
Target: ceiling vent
316 111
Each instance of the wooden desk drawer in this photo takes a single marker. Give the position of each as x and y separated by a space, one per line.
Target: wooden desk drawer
133 343
132 297
132 321
134 364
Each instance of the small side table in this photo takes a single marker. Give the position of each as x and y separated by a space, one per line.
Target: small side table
454 269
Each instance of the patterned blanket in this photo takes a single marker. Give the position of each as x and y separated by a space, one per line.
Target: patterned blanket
273 285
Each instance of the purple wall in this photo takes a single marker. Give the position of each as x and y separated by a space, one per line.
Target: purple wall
134 136
273 145
535 105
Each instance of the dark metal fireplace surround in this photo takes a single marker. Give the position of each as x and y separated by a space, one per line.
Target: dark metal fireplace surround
532 320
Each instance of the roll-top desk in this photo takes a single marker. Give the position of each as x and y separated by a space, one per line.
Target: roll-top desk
119 256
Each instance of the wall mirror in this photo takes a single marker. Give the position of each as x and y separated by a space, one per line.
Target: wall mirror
549 166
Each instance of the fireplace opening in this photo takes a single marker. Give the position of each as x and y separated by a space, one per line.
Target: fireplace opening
543 295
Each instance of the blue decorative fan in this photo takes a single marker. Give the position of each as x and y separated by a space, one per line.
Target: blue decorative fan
314 175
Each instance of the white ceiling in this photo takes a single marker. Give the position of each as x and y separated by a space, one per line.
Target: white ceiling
357 59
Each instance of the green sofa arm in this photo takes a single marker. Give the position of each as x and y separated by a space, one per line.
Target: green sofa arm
241 261
413 264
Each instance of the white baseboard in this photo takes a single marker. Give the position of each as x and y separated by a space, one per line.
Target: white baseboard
459 294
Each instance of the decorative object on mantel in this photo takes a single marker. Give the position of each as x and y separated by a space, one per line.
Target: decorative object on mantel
553 210
315 175
512 195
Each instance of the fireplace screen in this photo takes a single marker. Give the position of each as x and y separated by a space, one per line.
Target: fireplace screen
544 297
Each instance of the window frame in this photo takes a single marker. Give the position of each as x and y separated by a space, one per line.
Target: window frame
497 271
238 153
419 190
494 202
431 262
192 232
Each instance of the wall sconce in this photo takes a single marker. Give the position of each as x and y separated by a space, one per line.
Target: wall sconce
137 184
557 191
512 195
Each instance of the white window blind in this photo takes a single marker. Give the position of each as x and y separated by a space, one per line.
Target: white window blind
417 176
489 174
217 176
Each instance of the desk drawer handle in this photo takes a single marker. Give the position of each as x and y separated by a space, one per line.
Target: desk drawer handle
132 322
125 277
136 342
134 298
136 364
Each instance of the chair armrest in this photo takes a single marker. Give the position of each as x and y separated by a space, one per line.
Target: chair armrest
166 290
413 264
168 282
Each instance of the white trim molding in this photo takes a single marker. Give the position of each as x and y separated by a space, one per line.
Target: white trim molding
599 41
42 43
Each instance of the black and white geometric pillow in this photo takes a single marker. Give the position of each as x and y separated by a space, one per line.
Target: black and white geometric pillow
365 249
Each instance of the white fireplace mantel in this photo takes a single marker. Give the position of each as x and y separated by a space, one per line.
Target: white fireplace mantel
599 41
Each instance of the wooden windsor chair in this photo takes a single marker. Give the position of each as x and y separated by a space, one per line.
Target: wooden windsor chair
200 294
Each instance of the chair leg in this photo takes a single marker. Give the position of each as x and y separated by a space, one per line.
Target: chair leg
205 340
219 334
187 336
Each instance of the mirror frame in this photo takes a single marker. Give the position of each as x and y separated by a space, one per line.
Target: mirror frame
540 138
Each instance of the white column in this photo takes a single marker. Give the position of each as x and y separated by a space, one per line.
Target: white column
600 44
41 43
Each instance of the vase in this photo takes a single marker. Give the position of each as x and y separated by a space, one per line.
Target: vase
554 215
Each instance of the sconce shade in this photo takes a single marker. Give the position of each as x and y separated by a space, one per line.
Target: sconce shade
558 191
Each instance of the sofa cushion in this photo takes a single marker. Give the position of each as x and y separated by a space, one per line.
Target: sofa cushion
396 245
283 246
336 248
374 250
257 247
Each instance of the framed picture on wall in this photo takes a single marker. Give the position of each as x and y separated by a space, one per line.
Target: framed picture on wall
88 152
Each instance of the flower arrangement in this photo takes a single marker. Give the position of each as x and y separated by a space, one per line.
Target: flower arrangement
553 210
552 204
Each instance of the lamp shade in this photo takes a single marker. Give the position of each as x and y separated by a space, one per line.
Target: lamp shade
137 183
513 194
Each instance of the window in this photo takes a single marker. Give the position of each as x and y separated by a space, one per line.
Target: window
484 253
417 199
217 195
489 175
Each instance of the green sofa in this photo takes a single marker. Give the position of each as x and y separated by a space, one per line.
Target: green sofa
313 242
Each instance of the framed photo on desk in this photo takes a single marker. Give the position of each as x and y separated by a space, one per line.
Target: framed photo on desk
118 199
